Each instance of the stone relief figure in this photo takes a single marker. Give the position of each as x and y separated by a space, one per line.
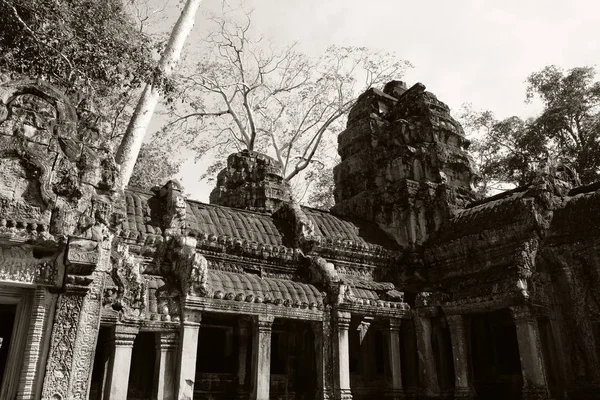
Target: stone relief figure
130 298
94 222
29 116
109 173
174 204
190 266
322 273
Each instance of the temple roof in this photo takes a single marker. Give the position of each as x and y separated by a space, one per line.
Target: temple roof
491 213
579 219
213 222
254 289
338 228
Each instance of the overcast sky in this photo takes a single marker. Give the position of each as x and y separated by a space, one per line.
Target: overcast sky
462 50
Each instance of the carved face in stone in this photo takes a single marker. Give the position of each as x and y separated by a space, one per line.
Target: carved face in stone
30 116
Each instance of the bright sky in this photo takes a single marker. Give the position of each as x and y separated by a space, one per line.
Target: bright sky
462 50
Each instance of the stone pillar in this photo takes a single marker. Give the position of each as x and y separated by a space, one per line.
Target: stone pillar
322 334
165 368
120 348
367 352
77 322
428 380
394 362
261 357
34 359
461 355
187 352
243 341
530 353
342 378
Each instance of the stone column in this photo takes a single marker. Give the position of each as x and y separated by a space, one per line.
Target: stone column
261 357
77 322
342 378
322 334
165 368
188 349
367 352
34 359
120 346
244 338
530 353
461 355
428 380
394 362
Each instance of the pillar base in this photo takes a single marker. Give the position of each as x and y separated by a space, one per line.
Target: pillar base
464 393
535 393
394 394
324 395
343 394
427 394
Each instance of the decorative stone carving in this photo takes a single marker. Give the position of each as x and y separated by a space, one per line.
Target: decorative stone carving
130 298
174 208
189 267
292 219
321 272
18 265
60 356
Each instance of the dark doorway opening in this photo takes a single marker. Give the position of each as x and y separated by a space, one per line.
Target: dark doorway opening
7 323
141 373
217 359
495 350
100 364
293 363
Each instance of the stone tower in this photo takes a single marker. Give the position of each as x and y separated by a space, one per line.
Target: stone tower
404 163
251 181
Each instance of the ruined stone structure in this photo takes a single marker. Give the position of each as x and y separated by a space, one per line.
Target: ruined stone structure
410 288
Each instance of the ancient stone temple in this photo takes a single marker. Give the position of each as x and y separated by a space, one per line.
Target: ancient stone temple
412 287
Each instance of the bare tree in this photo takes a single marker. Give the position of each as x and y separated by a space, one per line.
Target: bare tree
246 93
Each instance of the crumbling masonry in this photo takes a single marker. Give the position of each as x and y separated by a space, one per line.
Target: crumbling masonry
410 288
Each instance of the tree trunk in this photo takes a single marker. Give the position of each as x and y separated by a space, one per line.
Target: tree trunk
136 130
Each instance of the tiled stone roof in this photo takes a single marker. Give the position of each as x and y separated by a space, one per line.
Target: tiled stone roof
254 289
234 223
333 228
489 214
212 222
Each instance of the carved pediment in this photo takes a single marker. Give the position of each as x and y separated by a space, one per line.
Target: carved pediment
51 167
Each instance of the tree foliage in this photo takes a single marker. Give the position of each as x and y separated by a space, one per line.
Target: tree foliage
246 93
96 51
510 151
155 166
80 45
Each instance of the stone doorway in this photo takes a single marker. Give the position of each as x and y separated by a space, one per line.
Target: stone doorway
7 323
141 373
495 352
293 363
